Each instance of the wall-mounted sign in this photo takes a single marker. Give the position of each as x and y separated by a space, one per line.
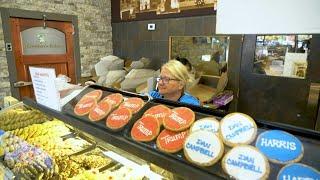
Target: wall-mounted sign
43 80
39 40
268 17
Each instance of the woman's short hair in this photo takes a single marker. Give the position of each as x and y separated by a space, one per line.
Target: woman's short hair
178 71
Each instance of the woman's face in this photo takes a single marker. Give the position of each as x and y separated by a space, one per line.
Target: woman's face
168 84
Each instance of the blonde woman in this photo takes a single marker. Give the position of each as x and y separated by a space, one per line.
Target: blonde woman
171 83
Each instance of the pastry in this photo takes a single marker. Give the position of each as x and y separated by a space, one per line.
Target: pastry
179 119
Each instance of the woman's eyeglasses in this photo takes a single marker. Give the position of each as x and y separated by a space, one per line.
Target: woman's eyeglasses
166 80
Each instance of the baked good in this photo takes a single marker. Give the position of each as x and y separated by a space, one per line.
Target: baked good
246 162
100 111
203 148
170 141
145 129
96 94
134 104
237 128
158 111
84 106
208 124
179 119
298 171
115 99
118 118
280 146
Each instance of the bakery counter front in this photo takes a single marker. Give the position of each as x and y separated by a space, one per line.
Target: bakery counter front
35 145
192 142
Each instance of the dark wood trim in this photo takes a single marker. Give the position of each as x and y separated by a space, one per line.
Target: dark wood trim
7 13
115 13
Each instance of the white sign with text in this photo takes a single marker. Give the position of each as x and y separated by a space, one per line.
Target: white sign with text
43 80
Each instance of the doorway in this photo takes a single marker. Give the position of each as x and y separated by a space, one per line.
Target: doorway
284 87
42 40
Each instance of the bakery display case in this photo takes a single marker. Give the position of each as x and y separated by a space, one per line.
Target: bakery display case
121 153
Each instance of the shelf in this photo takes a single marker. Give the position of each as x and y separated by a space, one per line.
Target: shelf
116 139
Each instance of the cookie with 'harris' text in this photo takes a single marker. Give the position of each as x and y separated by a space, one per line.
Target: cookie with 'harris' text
170 141
246 162
237 129
298 171
118 118
280 146
203 148
145 129
84 106
179 119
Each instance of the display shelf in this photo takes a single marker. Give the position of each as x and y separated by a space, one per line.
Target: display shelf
115 139
309 138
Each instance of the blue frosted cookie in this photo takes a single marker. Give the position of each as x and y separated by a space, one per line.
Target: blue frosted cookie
298 171
280 146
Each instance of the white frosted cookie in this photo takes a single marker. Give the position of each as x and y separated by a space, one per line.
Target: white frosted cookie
246 162
210 124
237 129
203 148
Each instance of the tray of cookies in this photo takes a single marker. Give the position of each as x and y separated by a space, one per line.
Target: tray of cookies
230 146
164 128
106 108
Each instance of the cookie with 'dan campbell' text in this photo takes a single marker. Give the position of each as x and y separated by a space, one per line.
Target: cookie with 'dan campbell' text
206 124
203 148
238 129
246 162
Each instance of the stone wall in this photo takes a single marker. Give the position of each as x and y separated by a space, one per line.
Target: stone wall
95 32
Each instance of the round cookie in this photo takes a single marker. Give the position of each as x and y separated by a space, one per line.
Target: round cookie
158 111
115 99
298 171
84 106
237 129
100 111
210 124
134 104
96 94
246 162
145 129
179 119
280 146
203 148
118 118
170 141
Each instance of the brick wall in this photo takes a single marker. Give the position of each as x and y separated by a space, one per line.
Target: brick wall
95 32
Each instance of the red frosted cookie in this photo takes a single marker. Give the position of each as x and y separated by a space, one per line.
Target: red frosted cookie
170 141
134 104
114 99
179 119
159 112
145 129
96 94
84 106
118 118
100 111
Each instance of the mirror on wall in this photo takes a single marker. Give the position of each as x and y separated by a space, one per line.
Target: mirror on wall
207 54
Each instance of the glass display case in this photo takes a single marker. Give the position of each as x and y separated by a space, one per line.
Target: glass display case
95 149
